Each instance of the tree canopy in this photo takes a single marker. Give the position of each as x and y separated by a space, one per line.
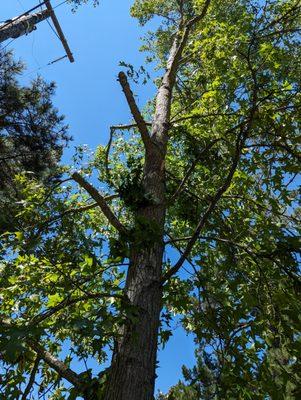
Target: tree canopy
208 168
32 133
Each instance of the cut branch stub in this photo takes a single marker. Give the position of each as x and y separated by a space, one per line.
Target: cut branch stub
141 124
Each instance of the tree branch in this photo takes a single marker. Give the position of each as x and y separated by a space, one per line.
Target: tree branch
69 302
31 378
191 169
108 147
199 17
208 212
100 200
141 124
176 52
161 123
61 368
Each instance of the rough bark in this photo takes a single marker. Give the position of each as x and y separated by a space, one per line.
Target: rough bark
132 374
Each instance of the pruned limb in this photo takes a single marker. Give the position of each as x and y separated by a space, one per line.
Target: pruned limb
31 378
100 200
141 124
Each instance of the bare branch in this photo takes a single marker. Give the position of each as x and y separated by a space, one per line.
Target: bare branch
108 147
288 149
101 202
174 243
141 124
203 116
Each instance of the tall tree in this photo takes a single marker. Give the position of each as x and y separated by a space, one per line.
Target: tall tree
32 133
209 169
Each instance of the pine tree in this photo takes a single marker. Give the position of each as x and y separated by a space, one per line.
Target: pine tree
32 134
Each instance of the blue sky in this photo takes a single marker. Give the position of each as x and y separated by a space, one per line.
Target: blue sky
90 97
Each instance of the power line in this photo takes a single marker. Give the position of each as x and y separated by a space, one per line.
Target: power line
45 66
9 22
3 48
25 23
21 5
32 50
53 30
51 27
22 15
60 4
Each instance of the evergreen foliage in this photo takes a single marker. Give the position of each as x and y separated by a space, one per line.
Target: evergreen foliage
32 133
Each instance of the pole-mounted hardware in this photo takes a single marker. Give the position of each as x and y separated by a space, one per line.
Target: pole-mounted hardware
26 23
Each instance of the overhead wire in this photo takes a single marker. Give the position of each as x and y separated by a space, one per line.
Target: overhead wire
51 27
25 13
45 66
32 50
21 5
4 47
9 22
60 4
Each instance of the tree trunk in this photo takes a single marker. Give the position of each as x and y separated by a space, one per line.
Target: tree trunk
133 370
132 373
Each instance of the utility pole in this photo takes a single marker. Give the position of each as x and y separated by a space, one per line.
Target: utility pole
59 30
21 25
26 23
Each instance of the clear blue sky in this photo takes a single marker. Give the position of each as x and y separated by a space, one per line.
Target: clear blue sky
90 97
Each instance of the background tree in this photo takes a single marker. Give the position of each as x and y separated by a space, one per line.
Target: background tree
32 134
209 169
